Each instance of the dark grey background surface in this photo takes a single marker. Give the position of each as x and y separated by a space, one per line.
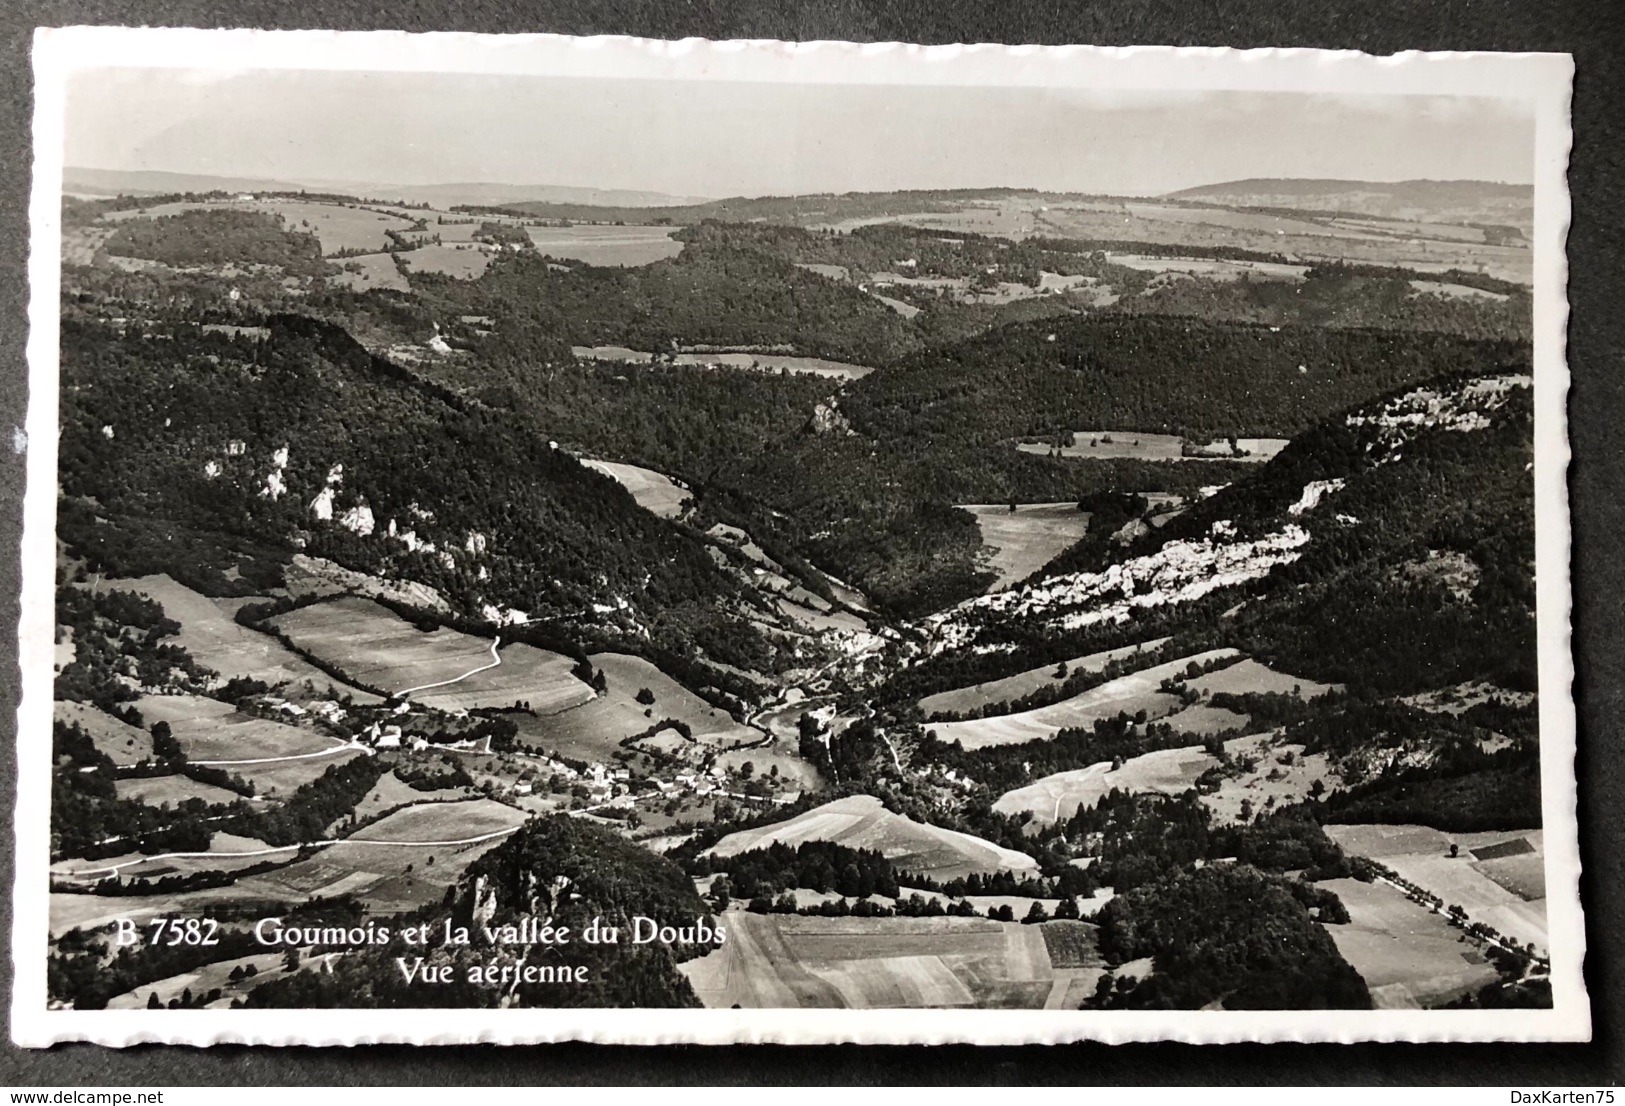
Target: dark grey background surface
1589 29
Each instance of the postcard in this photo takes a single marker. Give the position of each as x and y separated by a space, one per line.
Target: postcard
537 539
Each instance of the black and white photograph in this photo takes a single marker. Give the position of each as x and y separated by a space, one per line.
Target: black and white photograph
538 538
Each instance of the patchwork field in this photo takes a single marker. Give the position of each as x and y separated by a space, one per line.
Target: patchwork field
654 491
860 822
786 961
391 877
1056 798
123 743
1028 538
435 823
1409 956
1130 694
595 729
377 648
214 639
1422 856
618 246
1025 683
1249 676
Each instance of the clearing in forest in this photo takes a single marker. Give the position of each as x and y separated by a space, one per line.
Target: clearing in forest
654 491
1026 539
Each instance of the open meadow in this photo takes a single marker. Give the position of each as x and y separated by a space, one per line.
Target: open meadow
461 262
1025 683
595 729
606 246
1125 695
212 732
1409 956
215 640
1107 445
367 271
174 790
374 646
121 742
1248 676
654 491
442 822
860 822
1056 798
1026 539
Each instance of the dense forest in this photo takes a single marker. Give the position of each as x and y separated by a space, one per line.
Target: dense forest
222 448
224 237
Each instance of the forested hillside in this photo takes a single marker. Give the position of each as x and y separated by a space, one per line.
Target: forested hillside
215 458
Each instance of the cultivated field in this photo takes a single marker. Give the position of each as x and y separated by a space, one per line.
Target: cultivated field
1126 694
1422 855
435 823
860 822
1028 538
372 645
1408 955
786 961
595 729
120 741
174 790
390 877
654 491
215 640
618 246
1025 683
1249 676
1056 798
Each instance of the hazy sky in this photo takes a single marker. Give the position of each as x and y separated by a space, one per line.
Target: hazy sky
716 139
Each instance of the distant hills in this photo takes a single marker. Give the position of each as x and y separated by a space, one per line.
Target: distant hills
1451 200
144 182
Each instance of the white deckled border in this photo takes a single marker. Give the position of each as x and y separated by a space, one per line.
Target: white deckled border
1543 80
